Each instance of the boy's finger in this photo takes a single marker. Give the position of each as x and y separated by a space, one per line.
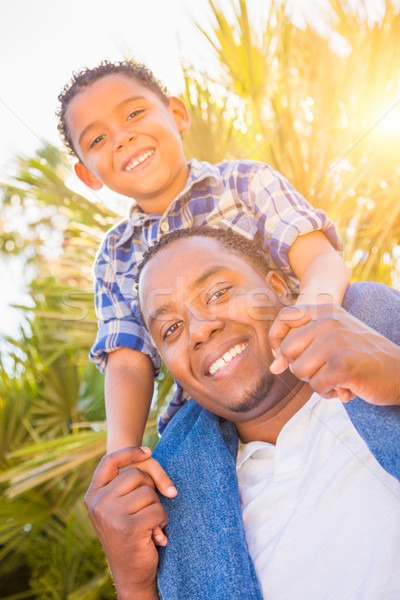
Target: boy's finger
292 317
159 538
288 317
345 395
279 365
160 478
111 463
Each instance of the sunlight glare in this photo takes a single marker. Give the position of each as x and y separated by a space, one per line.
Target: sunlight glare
390 123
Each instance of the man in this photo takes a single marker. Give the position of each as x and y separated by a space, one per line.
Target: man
316 513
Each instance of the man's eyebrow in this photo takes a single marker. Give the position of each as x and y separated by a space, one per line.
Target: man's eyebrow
120 105
165 308
206 275
159 312
195 284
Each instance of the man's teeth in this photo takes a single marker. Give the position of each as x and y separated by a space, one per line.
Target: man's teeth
135 162
220 363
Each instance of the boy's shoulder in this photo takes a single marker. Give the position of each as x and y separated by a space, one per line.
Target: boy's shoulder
113 238
230 173
240 165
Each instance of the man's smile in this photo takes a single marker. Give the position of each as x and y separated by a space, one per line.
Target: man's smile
226 357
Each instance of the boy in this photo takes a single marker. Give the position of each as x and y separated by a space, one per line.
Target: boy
126 133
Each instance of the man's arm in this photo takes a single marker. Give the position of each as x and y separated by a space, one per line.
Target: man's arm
124 510
331 349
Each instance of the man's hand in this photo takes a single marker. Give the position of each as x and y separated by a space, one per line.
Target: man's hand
125 510
336 354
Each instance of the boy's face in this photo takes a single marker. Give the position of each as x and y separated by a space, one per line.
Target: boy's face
128 139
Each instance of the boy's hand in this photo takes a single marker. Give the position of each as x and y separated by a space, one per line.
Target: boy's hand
337 354
125 510
292 319
164 485
158 475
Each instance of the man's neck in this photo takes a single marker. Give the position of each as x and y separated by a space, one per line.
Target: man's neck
268 426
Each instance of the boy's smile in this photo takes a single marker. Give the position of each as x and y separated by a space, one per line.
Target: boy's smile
128 139
209 313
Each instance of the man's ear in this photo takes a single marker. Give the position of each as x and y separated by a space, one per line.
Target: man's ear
279 285
180 113
87 176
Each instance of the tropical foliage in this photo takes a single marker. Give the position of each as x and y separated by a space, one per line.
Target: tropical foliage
308 98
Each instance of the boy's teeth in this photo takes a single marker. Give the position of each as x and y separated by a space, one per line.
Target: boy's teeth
226 358
134 163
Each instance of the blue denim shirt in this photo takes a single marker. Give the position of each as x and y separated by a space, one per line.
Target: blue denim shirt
207 556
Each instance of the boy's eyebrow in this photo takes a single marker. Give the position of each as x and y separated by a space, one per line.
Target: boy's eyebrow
195 284
120 105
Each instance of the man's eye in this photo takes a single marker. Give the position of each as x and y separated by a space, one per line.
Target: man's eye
97 140
172 329
134 114
218 294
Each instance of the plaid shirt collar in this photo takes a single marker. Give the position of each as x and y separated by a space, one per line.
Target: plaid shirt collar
198 171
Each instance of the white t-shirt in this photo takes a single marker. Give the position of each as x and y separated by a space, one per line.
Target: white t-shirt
322 517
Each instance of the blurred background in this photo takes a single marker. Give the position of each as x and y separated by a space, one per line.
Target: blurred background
312 88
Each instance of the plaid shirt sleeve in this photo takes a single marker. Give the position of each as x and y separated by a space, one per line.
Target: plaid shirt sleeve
119 324
282 214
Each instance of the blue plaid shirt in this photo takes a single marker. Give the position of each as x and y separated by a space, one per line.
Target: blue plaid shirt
248 197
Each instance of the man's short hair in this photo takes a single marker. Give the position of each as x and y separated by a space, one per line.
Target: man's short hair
234 243
88 76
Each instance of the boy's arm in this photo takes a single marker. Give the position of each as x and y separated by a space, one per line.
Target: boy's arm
128 392
129 388
333 350
321 271
322 274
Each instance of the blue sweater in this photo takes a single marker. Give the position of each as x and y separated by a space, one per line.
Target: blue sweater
207 556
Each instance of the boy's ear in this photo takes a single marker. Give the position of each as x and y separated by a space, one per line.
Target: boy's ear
180 113
87 176
279 285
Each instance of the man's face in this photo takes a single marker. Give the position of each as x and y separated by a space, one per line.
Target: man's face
128 138
209 313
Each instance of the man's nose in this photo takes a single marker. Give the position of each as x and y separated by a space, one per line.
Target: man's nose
202 329
122 138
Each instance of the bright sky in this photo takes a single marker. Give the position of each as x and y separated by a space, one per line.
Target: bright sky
42 42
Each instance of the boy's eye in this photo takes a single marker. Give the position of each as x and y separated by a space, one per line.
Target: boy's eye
97 140
134 114
172 329
217 294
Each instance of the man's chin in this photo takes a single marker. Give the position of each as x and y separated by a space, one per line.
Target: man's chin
253 398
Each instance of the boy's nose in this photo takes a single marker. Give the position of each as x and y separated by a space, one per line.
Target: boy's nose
123 139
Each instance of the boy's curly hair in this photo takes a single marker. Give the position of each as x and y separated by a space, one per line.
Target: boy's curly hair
88 76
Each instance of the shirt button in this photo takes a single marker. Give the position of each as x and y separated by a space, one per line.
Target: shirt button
164 227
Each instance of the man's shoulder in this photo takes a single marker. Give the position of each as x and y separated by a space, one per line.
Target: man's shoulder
377 305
